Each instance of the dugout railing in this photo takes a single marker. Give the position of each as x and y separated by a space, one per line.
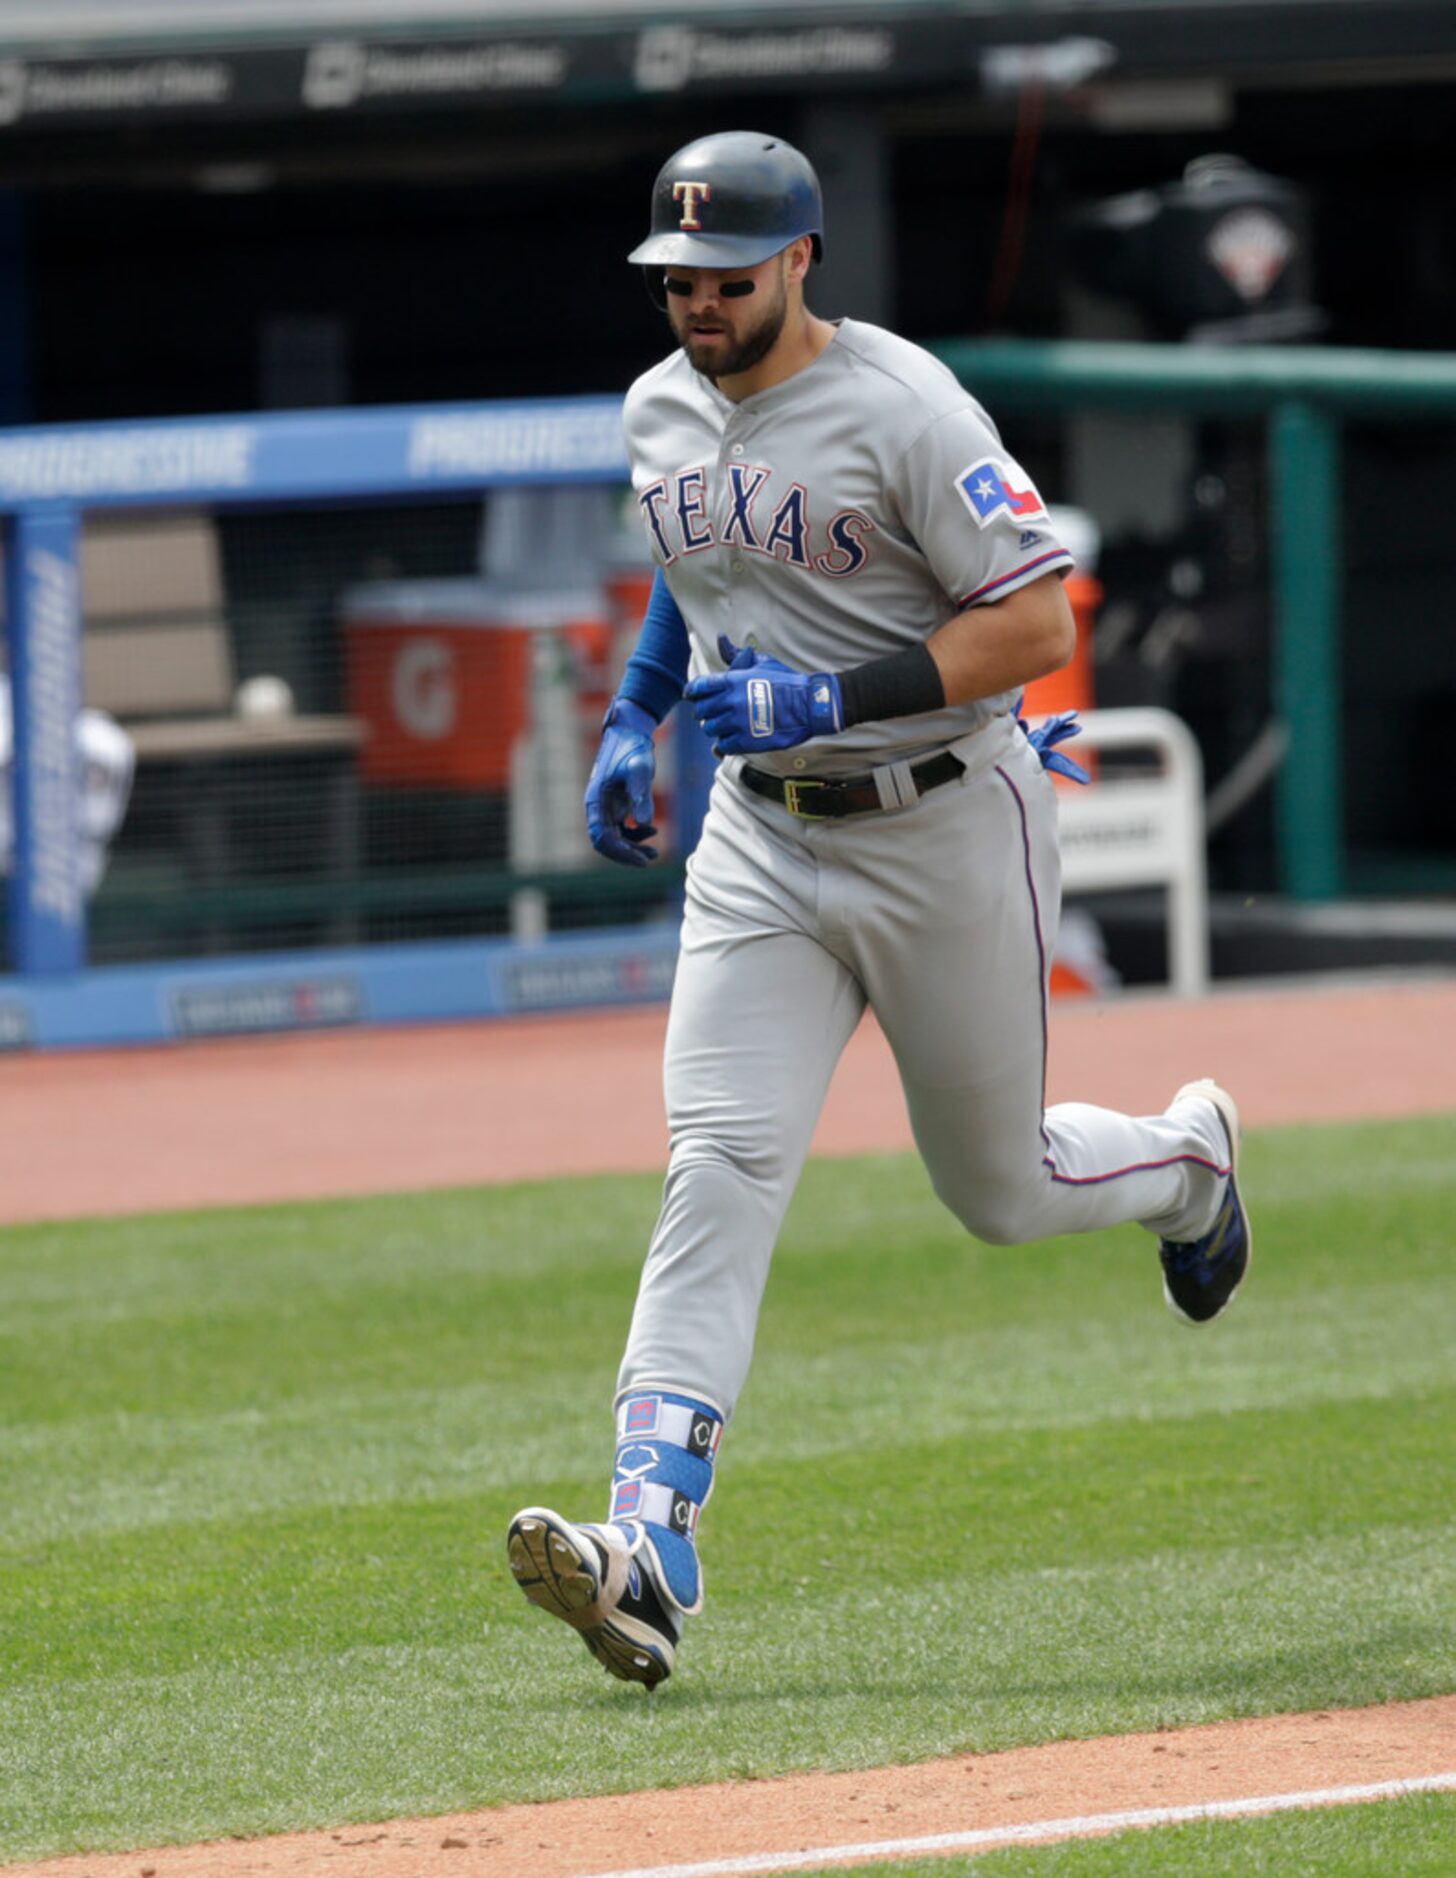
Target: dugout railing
1304 397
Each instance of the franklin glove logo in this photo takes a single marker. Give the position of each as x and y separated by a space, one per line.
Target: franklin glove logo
760 708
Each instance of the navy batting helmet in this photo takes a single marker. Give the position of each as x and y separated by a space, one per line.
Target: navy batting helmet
731 200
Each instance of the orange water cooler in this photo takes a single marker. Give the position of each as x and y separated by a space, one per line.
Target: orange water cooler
442 674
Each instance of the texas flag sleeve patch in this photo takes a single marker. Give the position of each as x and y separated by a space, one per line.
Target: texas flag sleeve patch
994 488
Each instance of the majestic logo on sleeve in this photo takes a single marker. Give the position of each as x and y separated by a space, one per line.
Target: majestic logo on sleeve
995 487
749 516
690 195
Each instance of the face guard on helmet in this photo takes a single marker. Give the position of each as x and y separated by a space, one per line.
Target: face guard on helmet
729 201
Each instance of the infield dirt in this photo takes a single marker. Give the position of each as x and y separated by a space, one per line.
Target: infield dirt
382 1111
753 1819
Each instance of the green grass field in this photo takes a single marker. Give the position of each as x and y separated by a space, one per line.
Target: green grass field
257 1465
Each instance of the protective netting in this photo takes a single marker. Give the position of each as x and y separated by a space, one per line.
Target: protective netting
360 723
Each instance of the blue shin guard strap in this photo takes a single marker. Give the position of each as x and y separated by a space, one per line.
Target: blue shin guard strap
666 1445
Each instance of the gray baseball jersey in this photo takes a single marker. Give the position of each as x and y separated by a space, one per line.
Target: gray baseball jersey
840 515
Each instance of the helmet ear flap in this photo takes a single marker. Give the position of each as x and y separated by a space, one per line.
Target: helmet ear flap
652 280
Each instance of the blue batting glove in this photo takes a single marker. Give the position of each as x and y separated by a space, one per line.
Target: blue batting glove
621 785
1047 735
761 704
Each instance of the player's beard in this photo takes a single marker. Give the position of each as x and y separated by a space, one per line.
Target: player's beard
751 349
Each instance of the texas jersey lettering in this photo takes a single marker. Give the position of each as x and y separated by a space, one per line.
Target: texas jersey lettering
677 514
835 517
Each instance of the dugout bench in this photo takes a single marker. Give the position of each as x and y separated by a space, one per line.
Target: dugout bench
157 656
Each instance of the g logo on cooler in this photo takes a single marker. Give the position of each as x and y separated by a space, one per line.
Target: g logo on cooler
422 689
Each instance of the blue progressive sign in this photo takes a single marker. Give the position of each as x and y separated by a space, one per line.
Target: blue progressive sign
325 454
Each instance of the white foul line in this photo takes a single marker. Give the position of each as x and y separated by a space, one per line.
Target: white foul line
1036 1829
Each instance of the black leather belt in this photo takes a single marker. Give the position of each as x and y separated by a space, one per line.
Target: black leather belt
824 798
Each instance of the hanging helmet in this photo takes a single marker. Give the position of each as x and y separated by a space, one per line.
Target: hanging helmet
731 200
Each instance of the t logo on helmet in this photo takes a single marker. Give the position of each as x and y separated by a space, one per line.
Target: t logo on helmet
690 195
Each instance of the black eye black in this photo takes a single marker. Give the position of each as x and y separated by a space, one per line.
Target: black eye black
730 290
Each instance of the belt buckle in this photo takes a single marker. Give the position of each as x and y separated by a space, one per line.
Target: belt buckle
793 790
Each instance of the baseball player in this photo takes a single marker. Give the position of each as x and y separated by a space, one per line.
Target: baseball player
854 582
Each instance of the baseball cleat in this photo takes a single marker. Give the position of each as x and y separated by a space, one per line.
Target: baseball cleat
1201 1276
590 1577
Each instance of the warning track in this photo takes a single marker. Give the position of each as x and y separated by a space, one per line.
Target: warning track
377 1111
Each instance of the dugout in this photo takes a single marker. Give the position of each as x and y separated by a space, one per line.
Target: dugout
420 203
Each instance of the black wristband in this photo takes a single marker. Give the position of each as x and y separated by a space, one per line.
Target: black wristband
902 684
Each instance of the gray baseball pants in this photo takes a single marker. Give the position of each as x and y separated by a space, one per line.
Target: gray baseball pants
940 916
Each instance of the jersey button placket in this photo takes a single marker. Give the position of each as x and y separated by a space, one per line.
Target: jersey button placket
735 559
